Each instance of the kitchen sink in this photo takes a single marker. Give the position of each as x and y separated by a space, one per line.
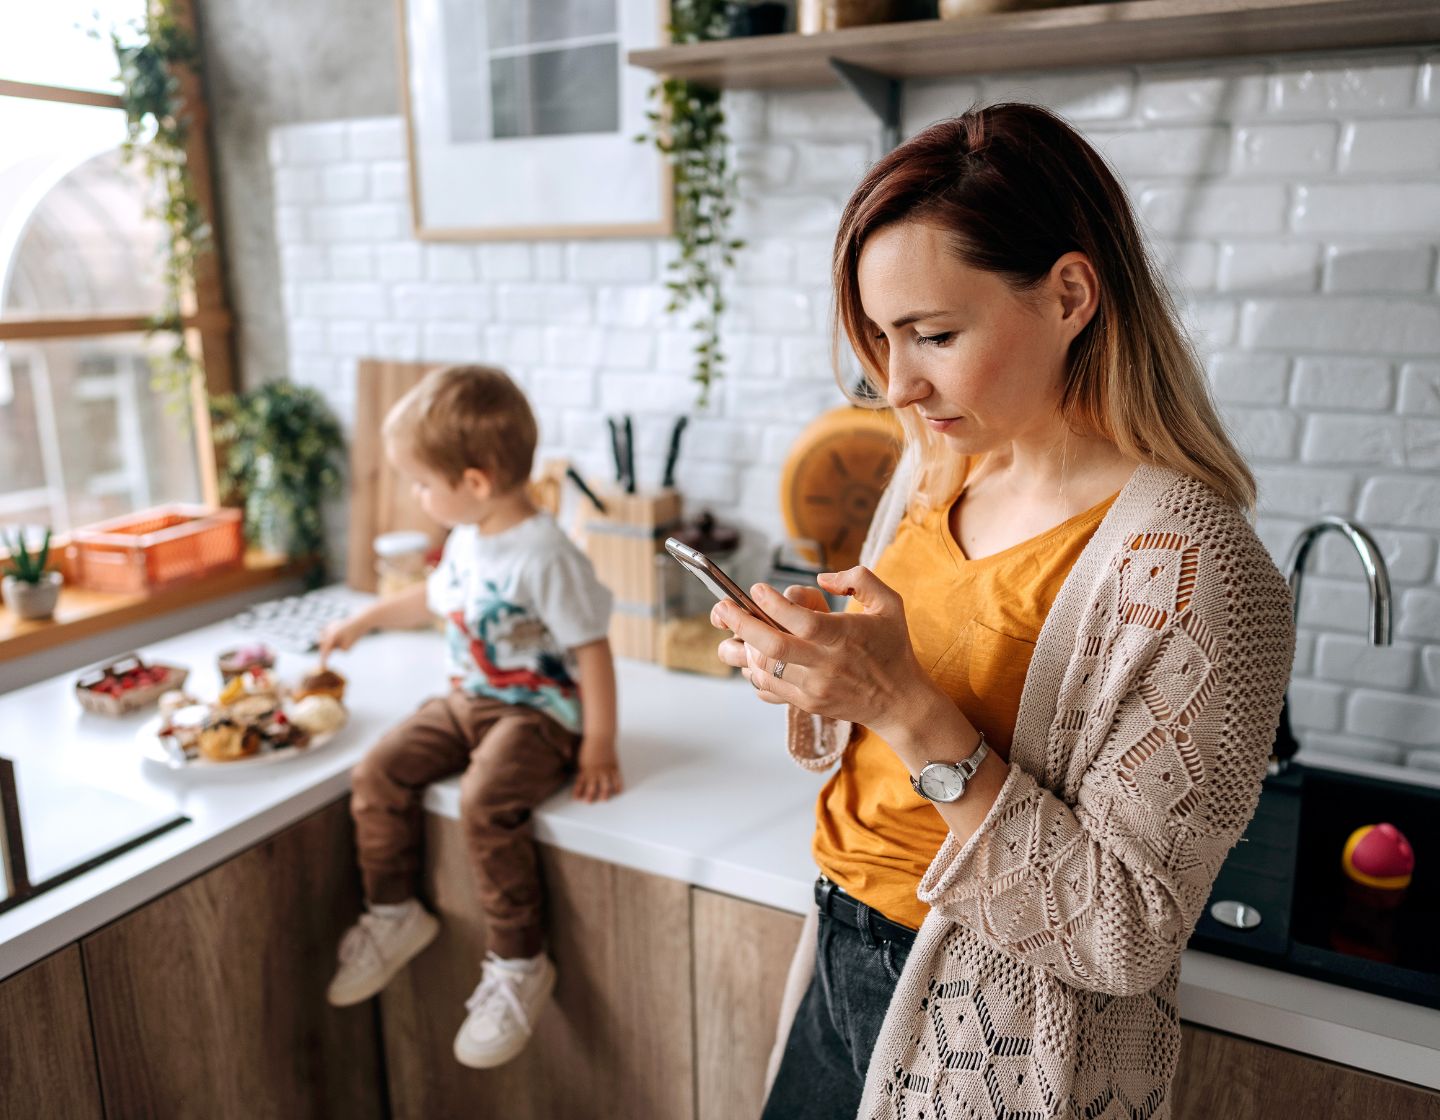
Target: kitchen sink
1286 872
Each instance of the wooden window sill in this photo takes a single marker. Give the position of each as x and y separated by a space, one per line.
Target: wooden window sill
83 614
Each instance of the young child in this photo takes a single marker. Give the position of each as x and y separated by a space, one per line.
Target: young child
532 700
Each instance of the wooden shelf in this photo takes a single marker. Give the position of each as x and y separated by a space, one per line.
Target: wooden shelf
82 613
1088 35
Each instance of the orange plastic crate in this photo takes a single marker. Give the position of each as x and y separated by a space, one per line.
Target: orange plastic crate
152 548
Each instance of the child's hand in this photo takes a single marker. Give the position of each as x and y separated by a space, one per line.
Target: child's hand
341 635
599 776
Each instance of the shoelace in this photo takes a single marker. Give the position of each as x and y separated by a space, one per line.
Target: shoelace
499 983
361 938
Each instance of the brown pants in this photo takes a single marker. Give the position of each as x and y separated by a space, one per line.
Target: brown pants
512 758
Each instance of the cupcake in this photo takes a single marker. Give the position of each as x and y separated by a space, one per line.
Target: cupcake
254 681
233 662
224 740
322 682
318 714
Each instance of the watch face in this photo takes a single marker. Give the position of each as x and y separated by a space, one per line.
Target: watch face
942 783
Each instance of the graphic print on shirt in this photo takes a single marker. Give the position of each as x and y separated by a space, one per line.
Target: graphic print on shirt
506 652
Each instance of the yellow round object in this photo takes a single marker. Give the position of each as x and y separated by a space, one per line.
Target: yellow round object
832 480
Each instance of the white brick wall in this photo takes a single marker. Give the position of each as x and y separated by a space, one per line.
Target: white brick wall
1294 203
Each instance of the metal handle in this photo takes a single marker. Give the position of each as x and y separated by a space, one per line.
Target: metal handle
12 843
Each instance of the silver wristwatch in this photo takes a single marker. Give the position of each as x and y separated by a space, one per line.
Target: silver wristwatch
946 781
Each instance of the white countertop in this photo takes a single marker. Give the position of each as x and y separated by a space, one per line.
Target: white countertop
711 799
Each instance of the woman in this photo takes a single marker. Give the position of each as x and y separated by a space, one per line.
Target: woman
1053 693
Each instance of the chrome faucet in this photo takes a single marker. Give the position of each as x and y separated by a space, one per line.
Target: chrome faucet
1376 574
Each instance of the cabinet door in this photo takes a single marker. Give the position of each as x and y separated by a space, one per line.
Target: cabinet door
210 1001
742 955
1221 1075
616 1038
47 1061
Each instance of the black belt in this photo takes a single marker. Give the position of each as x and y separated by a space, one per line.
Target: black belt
845 908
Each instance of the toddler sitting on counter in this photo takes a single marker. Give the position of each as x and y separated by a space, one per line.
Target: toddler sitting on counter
531 702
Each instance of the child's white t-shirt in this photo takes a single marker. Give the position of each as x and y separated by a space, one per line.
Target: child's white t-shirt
515 604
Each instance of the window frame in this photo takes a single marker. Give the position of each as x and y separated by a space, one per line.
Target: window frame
207 323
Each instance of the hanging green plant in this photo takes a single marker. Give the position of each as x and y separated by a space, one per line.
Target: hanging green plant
281 455
157 128
688 126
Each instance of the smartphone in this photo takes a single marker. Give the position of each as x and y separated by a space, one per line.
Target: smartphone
712 576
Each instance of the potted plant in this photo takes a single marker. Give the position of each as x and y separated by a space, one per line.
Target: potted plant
28 588
280 445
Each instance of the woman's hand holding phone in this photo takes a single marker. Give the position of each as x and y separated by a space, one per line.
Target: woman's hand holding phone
854 665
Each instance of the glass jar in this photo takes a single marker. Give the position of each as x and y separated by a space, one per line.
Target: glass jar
687 640
400 561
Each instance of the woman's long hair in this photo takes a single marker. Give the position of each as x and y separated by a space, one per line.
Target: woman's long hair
1017 188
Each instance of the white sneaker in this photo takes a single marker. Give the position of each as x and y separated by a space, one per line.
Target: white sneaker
503 1010
375 948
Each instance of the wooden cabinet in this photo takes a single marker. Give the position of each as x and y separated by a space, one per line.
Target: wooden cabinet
47 1061
210 1001
742 954
616 1041
1221 1075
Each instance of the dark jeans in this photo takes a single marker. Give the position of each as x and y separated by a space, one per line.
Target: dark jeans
822 1072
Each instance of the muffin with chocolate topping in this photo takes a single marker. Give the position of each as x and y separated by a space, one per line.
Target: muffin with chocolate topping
322 682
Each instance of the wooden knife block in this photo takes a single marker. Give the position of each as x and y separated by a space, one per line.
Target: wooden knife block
622 543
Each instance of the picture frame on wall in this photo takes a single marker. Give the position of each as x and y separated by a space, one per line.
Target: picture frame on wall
521 118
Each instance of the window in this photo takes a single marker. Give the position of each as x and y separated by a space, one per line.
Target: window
83 436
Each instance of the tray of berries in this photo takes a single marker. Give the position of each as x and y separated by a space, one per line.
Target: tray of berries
126 684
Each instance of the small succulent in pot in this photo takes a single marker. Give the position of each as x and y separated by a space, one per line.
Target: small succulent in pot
28 588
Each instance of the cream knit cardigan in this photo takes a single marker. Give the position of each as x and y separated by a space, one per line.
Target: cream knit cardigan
1042 983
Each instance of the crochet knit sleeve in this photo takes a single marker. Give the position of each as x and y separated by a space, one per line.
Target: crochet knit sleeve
1160 770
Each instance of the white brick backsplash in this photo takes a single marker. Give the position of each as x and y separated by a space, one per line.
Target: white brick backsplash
449 262
1409 557
1325 87
1420 389
343 301
402 260
389 182
304 262
1343 383
399 342
1196 150
1348 660
345 182
1099 95
926 101
357 222
1391 147
1293 204
1316 707
625 261
1221 94
1207 210
786 215
1303 493
351 262
506 260
310 143
1249 378
1263 433
1376 326
451 342
1409 720
1269 266
1285 149
1418 616
1430 668
764 166
547 303
1400 502
830 164
382 138
1364 268
1348 209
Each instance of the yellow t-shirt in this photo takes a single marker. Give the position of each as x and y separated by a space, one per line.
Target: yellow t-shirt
973 625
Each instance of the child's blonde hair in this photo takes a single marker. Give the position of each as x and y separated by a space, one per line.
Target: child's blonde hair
467 417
